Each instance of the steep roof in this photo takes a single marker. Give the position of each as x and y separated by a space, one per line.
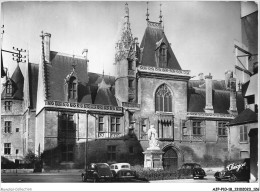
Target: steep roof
88 92
247 116
33 83
152 37
221 100
57 71
105 95
18 82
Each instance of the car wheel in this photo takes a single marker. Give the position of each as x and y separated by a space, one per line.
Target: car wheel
232 178
217 179
95 180
201 177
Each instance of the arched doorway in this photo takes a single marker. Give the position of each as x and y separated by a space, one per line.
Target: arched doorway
170 159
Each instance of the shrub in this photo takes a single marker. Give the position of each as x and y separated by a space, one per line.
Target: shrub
150 174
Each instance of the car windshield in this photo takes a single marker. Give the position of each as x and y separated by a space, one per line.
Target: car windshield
125 166
196 166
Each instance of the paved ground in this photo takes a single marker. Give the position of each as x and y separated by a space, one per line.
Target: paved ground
75 177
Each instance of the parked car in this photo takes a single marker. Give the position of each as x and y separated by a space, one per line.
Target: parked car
97 172
122 171
234 172
191 169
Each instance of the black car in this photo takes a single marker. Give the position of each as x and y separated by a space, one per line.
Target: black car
234 172
193 170
97 172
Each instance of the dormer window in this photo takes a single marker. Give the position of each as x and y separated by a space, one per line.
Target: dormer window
73 88
163 56
9 89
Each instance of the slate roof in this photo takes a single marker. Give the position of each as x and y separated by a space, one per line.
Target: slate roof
221 98
153 34
61 66
247 116
18 82
33 83
57 71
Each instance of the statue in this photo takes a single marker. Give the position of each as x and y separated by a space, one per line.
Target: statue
153 138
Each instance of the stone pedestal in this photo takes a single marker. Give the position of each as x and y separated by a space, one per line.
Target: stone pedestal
153 159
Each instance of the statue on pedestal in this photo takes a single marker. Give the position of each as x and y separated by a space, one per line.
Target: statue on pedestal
153 139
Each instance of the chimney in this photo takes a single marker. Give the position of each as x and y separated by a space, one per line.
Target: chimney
233 94
209 106
228 76
85 55
47 38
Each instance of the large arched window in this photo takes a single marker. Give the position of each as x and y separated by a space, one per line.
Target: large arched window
163 99
73 88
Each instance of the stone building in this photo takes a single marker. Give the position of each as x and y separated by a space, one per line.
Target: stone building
18 104
83 117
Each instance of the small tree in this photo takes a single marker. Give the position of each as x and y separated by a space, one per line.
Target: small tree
34 160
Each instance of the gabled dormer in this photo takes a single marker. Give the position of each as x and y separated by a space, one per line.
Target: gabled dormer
161 54
13 87
71 87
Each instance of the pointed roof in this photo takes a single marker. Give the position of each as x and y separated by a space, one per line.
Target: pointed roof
153 35
18 82
247 116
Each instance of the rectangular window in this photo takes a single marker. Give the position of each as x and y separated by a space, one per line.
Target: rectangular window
115 124
9 89
243 133
131 117
17 129
144 128
184 128
67 152
8 105
16 151
222 129
101 123
250 99
8 126
196 127
7 148
111 153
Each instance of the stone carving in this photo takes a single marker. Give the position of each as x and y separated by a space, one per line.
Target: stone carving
153 139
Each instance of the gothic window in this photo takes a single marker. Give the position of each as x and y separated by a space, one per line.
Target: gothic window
144 124
73 88
9 89
163 99
67 152
67 123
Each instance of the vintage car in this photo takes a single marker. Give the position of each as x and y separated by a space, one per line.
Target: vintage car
97 172
193 170
122 171
234 172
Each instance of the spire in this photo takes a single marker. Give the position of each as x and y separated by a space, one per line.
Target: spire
126 10
147 13
160 13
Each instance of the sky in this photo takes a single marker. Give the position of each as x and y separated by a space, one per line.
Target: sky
201 34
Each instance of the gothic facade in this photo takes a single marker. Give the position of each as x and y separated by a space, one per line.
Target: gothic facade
83 117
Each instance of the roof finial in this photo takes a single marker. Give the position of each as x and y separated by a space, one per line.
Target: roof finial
160 13
73 61
126 10
147 14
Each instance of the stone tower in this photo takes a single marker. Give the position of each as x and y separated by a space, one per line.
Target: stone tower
125 63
